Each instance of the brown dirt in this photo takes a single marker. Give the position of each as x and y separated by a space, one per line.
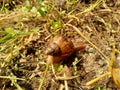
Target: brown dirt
100 26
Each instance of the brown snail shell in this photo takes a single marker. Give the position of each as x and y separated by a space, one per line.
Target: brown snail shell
53 49
59 49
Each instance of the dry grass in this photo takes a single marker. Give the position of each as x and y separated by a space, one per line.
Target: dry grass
27 26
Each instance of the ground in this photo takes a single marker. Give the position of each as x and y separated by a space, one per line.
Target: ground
26 28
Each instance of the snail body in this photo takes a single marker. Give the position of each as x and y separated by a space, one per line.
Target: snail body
60 48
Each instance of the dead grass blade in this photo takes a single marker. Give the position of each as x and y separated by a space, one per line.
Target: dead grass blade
83 36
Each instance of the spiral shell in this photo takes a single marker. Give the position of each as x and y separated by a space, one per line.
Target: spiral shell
59 49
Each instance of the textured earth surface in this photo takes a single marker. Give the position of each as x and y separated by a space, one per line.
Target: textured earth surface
23 56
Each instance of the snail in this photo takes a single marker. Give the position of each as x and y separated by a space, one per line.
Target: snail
60 48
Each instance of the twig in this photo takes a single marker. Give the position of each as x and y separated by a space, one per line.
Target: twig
66 84
98 78
66 78
43 79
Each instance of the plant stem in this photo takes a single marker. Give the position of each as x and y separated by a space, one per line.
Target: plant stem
42 81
